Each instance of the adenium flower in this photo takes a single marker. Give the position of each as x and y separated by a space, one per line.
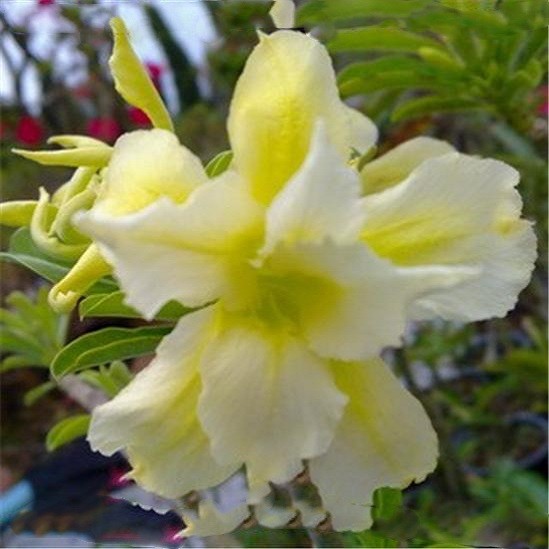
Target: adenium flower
303 270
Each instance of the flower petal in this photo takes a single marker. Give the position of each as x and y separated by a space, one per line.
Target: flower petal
288 83
187 252
457 210
146 165
397 164
154 418
321 201
266 401
212 522
351 303
384 439
132 81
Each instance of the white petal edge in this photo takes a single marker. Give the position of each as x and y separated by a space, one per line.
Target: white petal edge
184 252
154 418
266 401
385 439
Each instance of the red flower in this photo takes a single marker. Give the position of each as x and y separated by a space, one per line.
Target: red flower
46 2
155 71
106 129
29 130
138 117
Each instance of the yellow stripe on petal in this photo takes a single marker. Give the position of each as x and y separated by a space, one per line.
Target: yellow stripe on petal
384 439
456 210
287 85
132 81
266 401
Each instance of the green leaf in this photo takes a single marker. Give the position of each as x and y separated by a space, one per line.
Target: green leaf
38 392
106 345
18 361
367 539
387 503
110 380
379 39
323 11
23 251
67 430
219 163
398 72
112 305
428 105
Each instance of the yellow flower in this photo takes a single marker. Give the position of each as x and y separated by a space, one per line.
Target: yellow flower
302 281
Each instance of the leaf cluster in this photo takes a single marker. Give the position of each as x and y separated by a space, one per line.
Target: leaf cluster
436 56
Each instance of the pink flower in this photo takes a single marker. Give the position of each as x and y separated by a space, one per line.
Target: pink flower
155 72
138 117
104 128
29 130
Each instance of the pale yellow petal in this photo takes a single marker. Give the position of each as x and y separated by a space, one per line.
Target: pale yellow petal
348 302
147 165
457 210
397 164
321 201
287 85
154 418
213 522
192 252
283 14
89 268
384 439
363 132
17 213
132 81
256 406
96 157
68 141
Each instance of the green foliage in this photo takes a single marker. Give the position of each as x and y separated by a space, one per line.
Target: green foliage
35 394
107 345
111 380
67 430
457 55
23 251
112 305
220 163
31 332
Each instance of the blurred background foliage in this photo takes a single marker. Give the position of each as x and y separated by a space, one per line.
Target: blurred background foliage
472 72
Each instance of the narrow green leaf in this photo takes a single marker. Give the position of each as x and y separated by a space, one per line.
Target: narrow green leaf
67 430
104 346
23 251
38 392
379 39
433 104
217 165
112 305
324 11
17 361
